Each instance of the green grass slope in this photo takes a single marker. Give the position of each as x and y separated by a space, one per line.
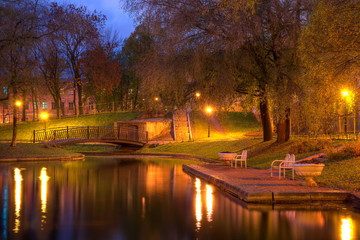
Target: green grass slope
25 129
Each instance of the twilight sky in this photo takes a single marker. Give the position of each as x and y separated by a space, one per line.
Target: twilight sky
117 19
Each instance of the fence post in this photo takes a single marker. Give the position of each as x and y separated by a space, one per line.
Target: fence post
118 131
88 132
34 136
54 135
147 136
67 132
98 132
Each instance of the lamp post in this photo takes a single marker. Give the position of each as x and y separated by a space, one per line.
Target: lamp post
44 117
18 105
208 112
345 94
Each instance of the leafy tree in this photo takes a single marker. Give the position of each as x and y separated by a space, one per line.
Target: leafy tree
261 34
330 48
103 71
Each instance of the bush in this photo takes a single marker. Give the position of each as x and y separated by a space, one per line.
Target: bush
347 151
310 145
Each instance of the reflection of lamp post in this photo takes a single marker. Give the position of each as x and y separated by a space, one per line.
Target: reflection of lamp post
209 111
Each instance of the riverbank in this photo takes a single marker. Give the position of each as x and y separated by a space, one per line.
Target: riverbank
36 152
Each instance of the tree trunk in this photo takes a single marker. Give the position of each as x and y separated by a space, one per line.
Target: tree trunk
15 111
23 118
283 128
74 99
79 88
265 119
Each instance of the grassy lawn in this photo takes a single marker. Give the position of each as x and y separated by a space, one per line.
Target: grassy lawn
25 129
207 149
28 150
341 174
225 125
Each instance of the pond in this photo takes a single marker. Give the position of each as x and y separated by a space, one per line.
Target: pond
152 198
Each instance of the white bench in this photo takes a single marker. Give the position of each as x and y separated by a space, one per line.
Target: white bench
240 158
283 165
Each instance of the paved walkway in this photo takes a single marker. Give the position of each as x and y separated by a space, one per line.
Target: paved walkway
257 186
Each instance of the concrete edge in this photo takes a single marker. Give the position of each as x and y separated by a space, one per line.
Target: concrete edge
276 198
228 188
173 155
68 158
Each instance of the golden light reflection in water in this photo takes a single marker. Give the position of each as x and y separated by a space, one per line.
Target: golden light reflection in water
346 229
43 179
209 202
18 179
198 213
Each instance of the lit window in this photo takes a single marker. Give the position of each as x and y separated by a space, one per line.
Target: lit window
5 90
44 105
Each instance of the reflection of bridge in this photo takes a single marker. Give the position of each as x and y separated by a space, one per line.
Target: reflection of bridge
108 134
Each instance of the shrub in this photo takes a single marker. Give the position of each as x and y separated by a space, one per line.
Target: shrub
310 145
347 151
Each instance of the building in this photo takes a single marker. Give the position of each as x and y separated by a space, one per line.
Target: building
44 103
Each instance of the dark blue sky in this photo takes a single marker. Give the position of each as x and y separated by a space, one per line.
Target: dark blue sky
117 19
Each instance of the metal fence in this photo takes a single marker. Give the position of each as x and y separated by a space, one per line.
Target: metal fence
89 132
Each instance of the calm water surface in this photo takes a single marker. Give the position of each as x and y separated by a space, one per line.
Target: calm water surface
109 198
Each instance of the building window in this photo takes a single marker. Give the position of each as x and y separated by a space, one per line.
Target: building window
35 105
71 106
27 107
44 105
91 106
5 90
62 105
53 105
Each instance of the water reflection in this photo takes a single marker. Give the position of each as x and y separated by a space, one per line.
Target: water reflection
198 205
44 185
209 202
133 199
346 229
17 192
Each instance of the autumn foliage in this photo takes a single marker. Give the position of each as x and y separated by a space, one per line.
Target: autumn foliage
103 71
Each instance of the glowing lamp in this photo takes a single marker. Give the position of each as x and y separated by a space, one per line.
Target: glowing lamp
44 116
18 103
209 110
197 94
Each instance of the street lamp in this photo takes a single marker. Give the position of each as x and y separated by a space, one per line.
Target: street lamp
17 106
345 94
197 95
208 112
44 117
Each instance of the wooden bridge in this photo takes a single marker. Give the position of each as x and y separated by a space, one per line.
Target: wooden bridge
106 134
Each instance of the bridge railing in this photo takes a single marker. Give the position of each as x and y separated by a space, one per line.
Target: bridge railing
89 132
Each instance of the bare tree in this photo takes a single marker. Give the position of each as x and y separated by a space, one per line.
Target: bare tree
81 30
22 23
